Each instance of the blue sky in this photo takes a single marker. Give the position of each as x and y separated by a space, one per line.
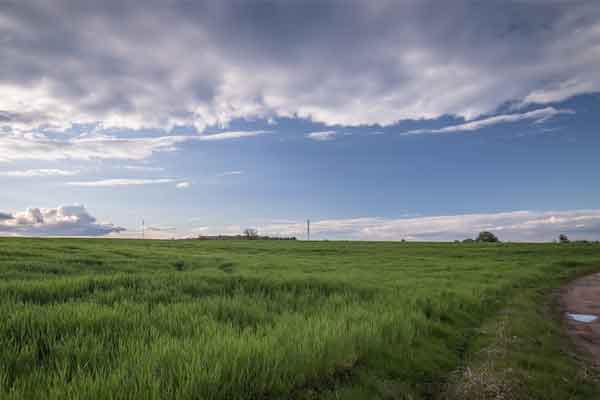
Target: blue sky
203 118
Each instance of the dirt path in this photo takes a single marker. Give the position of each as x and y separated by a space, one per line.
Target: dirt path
581 306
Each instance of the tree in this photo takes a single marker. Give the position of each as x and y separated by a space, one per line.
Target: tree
562 238
487 237
250 233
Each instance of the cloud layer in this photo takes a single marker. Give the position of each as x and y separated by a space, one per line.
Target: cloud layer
199 63
513 226
72 220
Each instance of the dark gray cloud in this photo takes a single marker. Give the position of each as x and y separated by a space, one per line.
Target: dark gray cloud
72 220
167 63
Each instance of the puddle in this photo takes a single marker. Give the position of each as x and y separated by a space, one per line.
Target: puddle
582 317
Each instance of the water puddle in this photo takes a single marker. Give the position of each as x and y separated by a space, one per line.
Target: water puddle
587 318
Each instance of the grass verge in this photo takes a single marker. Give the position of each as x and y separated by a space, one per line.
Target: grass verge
524 353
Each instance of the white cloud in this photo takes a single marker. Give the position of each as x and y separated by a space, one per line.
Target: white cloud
231 173
183 185
73 220
158 228
537 116
322 136
560 91
421 59
121 182
39 172
231 135
513 226
37 146
143 168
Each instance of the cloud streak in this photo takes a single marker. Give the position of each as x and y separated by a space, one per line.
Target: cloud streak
231 173
118 182
230 135
183 185
538 116
29 146
39 173
322 136
143 168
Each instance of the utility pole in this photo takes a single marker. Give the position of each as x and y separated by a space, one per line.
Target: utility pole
143 229
308 229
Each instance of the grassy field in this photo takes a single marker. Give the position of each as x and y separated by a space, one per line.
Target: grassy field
99 319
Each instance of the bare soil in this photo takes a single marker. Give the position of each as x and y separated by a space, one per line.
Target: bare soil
582 296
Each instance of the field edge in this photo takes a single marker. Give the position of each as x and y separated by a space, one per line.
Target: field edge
524 353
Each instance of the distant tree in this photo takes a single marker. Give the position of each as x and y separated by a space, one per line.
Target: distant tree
487 237
468 240
251 233
562 238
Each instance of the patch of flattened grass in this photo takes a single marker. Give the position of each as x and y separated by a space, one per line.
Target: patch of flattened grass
227 267
84 261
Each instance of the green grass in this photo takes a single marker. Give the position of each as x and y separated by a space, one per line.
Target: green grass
99 319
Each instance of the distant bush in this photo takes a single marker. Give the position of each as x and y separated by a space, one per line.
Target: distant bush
582 242
487 237
468 240
563 238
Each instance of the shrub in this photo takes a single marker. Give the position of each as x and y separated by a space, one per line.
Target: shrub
562 238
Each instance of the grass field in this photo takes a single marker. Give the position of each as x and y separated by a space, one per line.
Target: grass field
99 319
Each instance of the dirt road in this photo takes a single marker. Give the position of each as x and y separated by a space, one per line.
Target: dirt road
581 306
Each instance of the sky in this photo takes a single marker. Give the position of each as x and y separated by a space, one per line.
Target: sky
386 120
